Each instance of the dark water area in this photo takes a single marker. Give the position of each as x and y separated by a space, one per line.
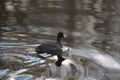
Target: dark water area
92 30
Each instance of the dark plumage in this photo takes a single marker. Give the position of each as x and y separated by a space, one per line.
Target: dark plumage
51 48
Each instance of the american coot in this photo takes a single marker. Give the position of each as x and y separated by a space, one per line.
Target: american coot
51 48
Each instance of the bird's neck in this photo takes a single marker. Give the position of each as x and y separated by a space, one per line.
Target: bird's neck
59 41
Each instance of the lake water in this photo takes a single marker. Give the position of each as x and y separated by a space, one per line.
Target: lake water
18 60
93 37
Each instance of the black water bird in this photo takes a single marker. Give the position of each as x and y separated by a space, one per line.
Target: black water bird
51 48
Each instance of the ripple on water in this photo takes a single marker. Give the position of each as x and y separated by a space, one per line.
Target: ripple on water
20 77
2 73
23 77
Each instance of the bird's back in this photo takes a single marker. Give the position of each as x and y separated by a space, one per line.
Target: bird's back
50 48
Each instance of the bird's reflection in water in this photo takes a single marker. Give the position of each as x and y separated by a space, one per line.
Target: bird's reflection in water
69 70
